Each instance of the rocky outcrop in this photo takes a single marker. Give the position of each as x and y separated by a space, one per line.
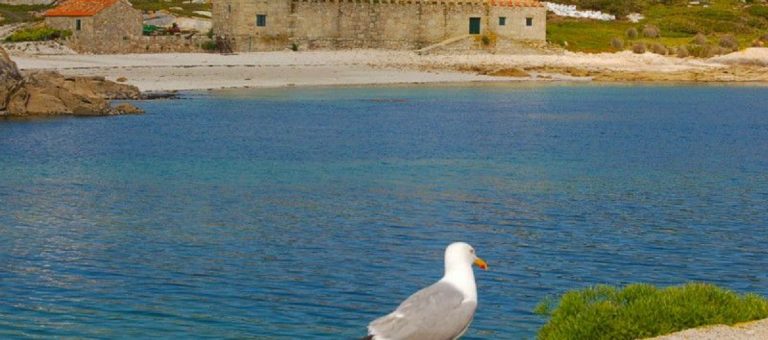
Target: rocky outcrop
50 93
10 79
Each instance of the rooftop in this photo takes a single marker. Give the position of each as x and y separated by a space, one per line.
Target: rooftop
79 8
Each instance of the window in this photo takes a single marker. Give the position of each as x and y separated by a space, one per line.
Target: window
502 21
261 20
78 24
529 22
474 25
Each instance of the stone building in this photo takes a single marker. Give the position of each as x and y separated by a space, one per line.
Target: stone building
97 26
254 25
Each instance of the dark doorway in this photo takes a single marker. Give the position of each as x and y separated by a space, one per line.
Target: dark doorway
474 25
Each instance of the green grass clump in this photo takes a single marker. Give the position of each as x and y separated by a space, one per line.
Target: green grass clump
39 33
641 310
187 9
12 14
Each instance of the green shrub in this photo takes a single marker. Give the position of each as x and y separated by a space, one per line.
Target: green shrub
700 39
651 31
638 48
632 33
40 33
641 310
682 52
703 51
659 49
485 40
209 45
617 43
728 41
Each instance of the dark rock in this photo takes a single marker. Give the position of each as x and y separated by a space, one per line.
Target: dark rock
160 95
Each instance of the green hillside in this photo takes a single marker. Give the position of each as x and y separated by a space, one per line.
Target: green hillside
22 13
676 21
721 26
178 7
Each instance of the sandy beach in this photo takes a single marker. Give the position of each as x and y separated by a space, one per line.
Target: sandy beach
197 71
744 331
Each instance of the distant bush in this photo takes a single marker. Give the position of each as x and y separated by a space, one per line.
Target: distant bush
758 11
651 31
641 311
632 33
682 52
638 48
728 41
485 40
617 43
659 49
700 39
706 51
209 45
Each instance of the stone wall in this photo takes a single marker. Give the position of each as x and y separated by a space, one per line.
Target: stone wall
390 24
106 32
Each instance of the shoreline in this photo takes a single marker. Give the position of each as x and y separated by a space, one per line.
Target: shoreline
203 71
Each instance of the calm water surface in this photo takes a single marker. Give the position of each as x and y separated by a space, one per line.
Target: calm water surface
306 213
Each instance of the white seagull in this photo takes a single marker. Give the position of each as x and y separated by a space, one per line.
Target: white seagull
442 311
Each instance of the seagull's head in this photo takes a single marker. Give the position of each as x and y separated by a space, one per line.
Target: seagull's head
462 254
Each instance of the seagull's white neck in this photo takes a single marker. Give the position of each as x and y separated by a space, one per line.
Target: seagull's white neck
463 278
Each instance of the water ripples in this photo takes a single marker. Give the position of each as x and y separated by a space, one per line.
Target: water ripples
309 212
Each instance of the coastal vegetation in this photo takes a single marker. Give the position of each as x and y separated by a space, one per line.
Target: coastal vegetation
37 33
177 7
11 14
642 310
675 24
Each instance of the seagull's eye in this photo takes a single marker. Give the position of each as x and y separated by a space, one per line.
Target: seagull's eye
471 251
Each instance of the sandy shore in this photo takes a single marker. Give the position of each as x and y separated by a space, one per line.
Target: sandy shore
746 331
156 72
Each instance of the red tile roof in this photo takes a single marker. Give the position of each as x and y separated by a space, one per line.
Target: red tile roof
79 8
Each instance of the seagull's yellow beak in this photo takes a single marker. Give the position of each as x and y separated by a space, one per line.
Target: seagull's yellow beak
480 263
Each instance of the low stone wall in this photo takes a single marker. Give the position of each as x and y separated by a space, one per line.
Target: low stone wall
142 44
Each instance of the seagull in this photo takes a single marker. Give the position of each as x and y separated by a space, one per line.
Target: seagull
442 311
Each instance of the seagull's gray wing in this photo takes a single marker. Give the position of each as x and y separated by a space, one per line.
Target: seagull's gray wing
437 312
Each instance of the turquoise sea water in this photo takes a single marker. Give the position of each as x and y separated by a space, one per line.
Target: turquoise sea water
306 213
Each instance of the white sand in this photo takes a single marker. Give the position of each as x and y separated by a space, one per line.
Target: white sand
746 331
174 71
751 56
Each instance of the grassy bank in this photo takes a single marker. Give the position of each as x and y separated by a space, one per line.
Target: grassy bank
641 311
677 24
186 9
21 13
